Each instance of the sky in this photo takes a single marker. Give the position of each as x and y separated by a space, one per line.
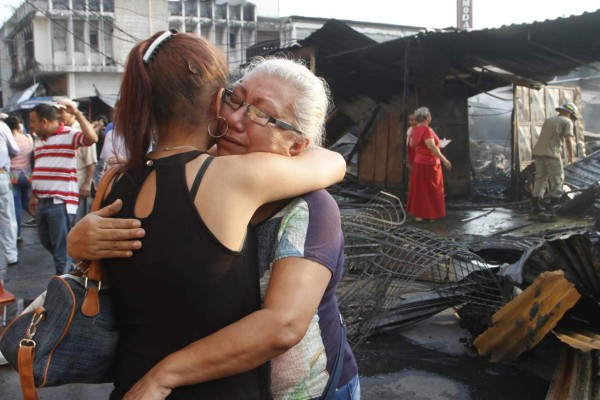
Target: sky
426 13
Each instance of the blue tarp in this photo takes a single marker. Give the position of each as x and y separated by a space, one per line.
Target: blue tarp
32 102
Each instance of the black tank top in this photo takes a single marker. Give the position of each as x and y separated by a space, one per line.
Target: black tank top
181 286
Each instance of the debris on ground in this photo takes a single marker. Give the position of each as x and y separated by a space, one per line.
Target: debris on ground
405 274
523 322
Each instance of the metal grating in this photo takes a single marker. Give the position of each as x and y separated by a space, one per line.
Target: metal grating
407 274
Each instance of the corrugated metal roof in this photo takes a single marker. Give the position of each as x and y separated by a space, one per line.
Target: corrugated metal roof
579 334
530 54
584 172
335 37
577 376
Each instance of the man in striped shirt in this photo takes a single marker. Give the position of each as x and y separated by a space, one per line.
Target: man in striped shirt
54 185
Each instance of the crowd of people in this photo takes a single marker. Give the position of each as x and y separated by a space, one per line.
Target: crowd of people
220 203
49 158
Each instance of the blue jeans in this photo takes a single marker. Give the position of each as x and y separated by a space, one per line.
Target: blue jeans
84 207
53 226
21 193
350 391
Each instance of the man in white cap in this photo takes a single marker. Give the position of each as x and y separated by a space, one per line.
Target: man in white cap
8 221
547 154
86 159
54 189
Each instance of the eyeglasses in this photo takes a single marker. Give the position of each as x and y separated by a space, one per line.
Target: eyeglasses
254 113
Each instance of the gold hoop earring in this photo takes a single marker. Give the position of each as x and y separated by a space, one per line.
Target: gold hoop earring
218 128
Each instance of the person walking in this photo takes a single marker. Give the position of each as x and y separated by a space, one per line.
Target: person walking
426 189
547 154
21 169
55 194
99 124
8 221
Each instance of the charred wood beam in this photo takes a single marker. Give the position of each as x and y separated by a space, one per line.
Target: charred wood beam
364 134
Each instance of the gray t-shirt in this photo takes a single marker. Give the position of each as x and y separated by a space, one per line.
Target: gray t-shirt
554 130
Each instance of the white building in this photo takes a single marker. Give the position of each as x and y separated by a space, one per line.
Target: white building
71 47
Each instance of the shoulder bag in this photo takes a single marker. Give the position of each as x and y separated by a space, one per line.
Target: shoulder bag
72 335
338 365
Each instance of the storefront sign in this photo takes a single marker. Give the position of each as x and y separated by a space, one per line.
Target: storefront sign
464 14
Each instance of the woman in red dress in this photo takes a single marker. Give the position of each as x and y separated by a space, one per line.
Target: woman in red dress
426 189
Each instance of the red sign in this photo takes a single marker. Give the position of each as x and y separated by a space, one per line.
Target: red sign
464 14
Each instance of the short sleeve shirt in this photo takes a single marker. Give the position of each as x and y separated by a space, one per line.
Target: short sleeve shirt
550 141
308 227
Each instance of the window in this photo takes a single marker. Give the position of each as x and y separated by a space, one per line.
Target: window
78 4
14 57
94 40
190 27
94 5
60 4
191 8
262 36
108 5
206 9
220 37
235 13
249 10
59 35
207 32
79 46
175 7
232 40
108 44
220 11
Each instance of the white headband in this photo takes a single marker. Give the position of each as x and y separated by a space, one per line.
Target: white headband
157 42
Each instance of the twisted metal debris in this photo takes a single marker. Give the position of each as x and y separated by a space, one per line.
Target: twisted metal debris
404 274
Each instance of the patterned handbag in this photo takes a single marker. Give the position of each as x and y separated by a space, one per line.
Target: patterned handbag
72 336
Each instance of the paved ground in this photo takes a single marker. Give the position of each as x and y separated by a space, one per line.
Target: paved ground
426 361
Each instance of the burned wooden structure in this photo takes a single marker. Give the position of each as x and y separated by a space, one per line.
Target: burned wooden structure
375 85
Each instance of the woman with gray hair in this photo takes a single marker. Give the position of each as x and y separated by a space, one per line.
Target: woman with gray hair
300 254
426 189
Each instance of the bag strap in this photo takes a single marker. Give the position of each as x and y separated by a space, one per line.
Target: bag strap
336 373
91 301
25 364
90 306
26 355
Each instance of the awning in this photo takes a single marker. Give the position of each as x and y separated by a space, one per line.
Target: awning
108 99
22 95
32 102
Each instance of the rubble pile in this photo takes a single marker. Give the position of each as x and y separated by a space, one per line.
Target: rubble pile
404 274
490 170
